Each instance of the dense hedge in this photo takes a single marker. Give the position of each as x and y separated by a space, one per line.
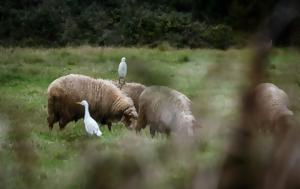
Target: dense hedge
181 23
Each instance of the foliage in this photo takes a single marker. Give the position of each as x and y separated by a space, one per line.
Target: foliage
127 22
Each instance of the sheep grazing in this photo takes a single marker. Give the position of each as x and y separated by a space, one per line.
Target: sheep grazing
271 108
132 90
107 102
165 110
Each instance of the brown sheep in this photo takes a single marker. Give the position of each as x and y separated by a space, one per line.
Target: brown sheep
132 90
165 110
107 102
271 108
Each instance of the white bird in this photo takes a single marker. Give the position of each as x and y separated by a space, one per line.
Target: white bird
122 71
91 126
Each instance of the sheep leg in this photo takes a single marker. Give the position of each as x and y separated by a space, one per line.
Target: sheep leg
51 120
141 121
109 124
152 131
62 123
168 132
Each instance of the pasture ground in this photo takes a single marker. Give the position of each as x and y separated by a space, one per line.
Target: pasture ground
33 157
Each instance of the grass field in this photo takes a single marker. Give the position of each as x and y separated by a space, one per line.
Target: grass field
33 157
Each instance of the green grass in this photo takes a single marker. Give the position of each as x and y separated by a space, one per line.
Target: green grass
211 78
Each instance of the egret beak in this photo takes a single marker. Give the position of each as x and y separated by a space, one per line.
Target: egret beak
78 103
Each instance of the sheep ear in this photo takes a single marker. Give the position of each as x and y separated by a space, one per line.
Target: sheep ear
131 113
134 114
127 111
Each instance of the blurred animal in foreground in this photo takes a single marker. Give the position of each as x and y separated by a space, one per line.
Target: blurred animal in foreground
132 90
122 70
107 102
271 108
90 124
284 169
165 110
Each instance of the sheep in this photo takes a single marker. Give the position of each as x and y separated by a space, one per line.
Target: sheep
107 102
271 108
132 90
165 110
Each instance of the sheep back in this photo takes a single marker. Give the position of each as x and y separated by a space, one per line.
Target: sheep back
271 106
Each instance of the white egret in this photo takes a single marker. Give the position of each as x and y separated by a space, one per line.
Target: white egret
122 71
90 124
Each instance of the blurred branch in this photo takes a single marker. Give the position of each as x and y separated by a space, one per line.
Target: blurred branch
241 168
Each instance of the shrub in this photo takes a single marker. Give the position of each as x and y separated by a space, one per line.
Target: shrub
113 23
219 36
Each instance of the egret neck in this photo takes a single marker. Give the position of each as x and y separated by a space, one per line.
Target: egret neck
86 111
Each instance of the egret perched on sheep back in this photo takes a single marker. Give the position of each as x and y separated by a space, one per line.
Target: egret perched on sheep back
90 124
122 71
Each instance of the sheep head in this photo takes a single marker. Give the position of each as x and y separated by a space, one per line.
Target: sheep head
129 117
187 125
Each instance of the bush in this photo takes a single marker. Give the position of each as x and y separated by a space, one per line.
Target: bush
114 23
202 35
219 36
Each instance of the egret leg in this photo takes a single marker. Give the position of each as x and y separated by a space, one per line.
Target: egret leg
121 82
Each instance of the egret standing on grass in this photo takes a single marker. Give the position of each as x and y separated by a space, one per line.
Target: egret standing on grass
90 124
122 71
